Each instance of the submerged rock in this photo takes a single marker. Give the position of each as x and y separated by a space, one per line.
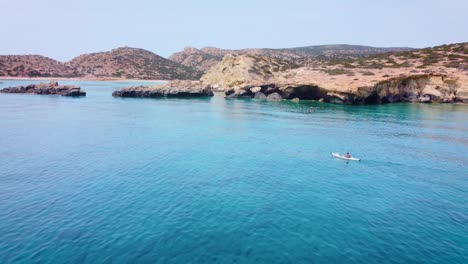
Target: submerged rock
170 89
260 95
46 88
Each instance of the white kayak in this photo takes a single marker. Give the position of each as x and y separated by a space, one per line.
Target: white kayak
339 156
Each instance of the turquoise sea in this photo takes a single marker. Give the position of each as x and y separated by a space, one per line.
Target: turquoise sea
125 180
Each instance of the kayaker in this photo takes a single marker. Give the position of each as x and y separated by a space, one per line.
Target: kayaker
347 155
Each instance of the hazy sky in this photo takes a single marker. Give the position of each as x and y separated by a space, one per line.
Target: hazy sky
63 29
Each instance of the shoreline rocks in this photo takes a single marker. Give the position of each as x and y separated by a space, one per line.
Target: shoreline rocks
422 88
170 89
260 95
274 97
46 88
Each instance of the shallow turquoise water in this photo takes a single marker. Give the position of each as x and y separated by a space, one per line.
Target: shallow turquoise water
122 180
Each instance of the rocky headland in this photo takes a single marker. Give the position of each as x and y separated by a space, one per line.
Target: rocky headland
438 74
46 88
170 89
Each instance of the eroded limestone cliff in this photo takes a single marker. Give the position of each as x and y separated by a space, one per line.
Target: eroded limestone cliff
410 79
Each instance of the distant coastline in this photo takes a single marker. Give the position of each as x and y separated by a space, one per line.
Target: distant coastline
3 78
341 74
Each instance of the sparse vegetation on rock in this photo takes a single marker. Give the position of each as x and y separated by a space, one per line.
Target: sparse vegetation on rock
121 63
205 58
410 76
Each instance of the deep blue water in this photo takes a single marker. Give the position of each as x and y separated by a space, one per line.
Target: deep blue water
124 180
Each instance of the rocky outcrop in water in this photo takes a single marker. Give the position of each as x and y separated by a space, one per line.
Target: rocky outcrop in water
46 88
170 89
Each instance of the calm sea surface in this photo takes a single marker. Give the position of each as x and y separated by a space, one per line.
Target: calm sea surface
124 180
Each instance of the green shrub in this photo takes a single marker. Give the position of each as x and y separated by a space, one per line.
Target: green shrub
348 65
375 65
117 74
431 59
427 51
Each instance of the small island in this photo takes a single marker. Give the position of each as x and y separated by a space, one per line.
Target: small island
46 88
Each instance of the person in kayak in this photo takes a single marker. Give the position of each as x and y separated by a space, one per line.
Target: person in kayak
347 155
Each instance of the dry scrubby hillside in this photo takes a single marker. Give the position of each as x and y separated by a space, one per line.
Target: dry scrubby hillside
131 63
237 70
32 66
203 59
348 71
453 56
439 73
120 63
196 59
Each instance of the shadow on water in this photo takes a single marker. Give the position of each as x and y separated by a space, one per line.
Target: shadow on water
405 111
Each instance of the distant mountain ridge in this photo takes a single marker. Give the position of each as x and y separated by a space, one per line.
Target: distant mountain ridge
203 59
131 63
119 63
189 64
316 50
340 49
32 66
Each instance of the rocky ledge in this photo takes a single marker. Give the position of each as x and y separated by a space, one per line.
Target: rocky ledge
46 88
170 89
425 88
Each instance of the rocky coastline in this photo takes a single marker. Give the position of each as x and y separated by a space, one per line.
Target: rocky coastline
46 88
170 89
369 80
430 88
431 75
